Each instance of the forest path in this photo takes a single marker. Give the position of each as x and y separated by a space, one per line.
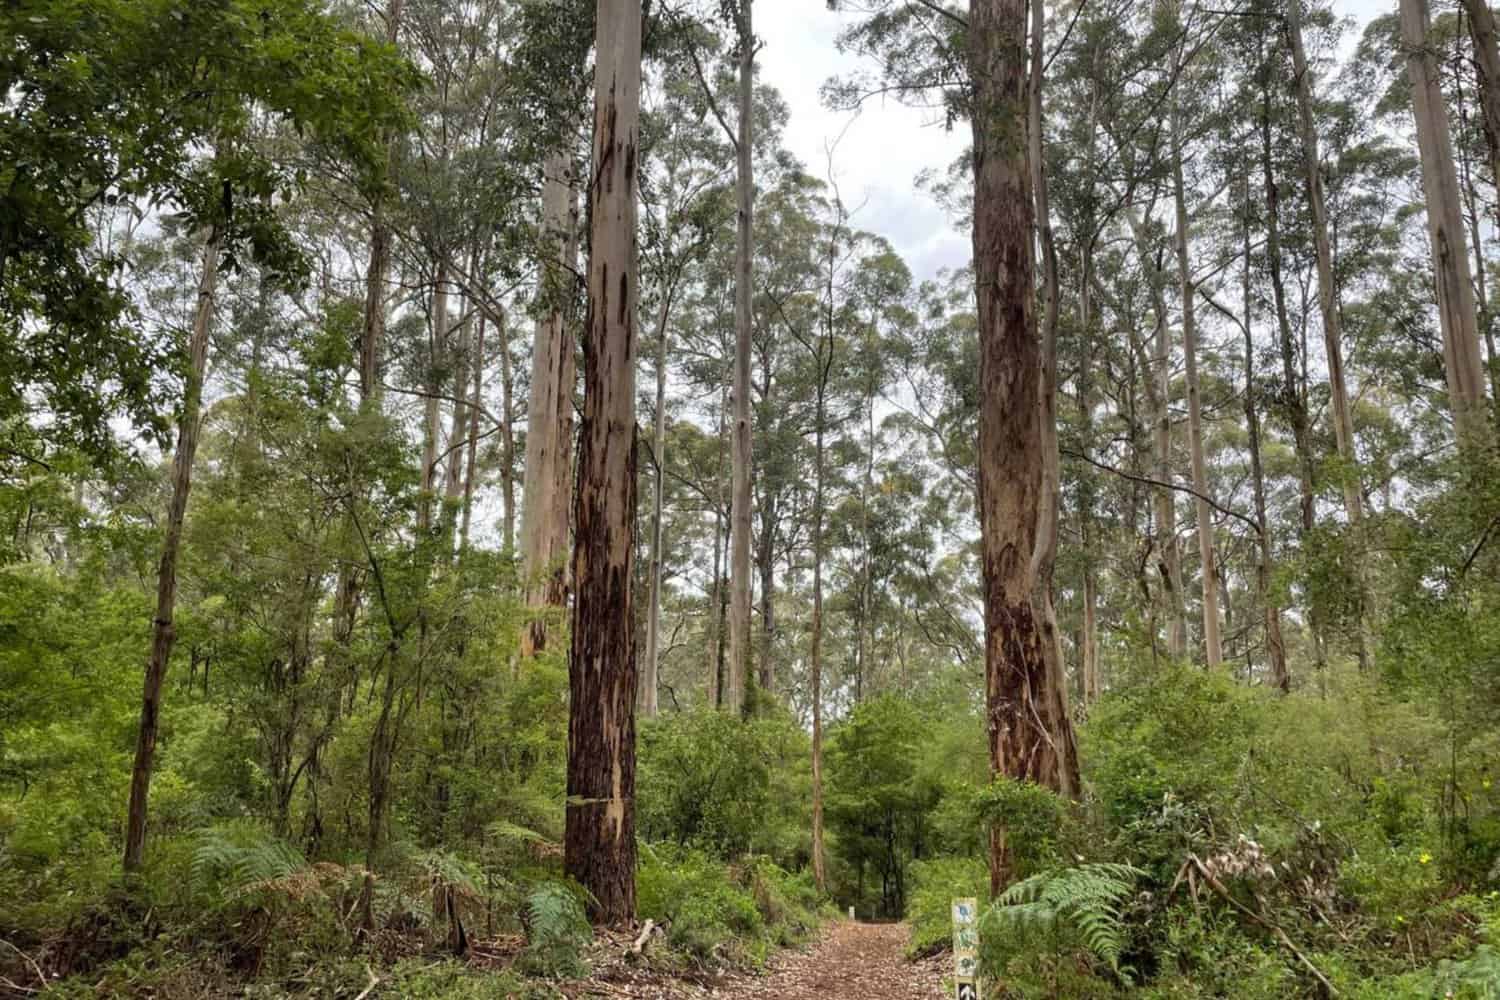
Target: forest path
849 961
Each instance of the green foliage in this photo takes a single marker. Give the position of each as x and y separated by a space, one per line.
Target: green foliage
879 801
1031 816
557 929
114 102
935 883
708 781
233 859
1085 901
724 914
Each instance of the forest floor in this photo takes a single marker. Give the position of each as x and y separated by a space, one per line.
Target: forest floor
849 961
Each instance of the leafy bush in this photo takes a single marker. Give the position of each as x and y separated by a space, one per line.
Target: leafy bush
707 780
724 914
936 882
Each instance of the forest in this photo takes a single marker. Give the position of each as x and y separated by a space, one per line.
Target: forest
481 516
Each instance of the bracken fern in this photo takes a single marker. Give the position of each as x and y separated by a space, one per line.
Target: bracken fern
1086 899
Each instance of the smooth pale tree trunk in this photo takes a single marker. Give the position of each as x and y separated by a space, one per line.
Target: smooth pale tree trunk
432 414
163 626
1294 396
1333 337
1049 509
815 656
546 490
1487 64
1275 644
372 334
823 358
652 674
599 839
471 457
507 435
1450 255
1212 648
739 549
765 566
1088 660
1159 402
453 469
1025 732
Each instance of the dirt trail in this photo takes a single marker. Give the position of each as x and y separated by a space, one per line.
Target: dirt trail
849 961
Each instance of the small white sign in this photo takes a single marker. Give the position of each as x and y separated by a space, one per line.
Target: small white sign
966 948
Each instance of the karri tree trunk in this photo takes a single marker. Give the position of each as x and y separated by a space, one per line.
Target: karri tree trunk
1275 644
1333 337
1487 63
546 490
1159 401
1049 509
1294 394
651 675
1450 255
815 657
163 626
471 446
1025 731
739 549
372 335
599 838
1212 648
432 414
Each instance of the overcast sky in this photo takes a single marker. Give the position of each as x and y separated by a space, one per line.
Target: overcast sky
886 145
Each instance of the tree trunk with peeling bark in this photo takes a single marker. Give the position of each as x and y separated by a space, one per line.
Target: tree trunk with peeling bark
1487 65
1159 401
1275 644
471 447
1212 648
546 490
651 675
1027 735
432 415
599 840
739 549
1333 337
1049 511
163 625
1450 256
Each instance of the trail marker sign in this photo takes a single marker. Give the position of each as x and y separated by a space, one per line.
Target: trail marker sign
966 949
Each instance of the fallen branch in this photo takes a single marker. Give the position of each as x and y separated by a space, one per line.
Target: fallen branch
638 947
41 977
374 981
1194 864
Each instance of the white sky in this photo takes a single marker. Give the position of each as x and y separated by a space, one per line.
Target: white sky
885 148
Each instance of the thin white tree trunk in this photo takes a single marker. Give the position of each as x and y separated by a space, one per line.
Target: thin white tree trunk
1450 256
545 491
1333 338
163 625
1213 651
739 555
651 675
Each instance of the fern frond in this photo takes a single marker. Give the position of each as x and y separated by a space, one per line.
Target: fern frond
1087 899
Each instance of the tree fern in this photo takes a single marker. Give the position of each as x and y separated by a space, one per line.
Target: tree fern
235 858
1086 899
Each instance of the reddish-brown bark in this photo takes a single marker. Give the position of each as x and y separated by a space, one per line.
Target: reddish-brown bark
599 841
1030 738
